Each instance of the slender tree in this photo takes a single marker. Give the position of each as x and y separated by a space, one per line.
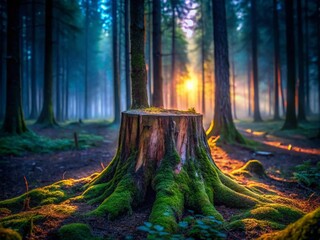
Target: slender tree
2 62
47 116
254 43
301 89
173 96
276 60
157 54
86 60
14 120
115 59
223 123
34 105
291 119
138 69
127 51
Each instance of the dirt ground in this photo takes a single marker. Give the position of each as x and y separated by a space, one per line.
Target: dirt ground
279 155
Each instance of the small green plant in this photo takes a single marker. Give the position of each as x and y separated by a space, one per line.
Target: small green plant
191 227
308 174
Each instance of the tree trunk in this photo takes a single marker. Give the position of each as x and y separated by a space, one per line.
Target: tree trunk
249 83
86 59
47 116
138 66
233 88
14 120
307 78
276 61
157 55
254 42
2 57
115 59
291 120
127 51
34 105
301 89
173 96
222 124
164 155
203 102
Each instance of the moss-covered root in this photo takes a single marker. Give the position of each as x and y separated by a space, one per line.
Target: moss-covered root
76 231
307 227
120 200
252 168
9 234
169 202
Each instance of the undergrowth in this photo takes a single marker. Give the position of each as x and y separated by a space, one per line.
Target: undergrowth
308 175
191 227
31 142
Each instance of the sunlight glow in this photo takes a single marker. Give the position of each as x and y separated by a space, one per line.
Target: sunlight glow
190 84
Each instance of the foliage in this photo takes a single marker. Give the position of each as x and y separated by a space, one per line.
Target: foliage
31 142
9 234
77 231
191 227
308 175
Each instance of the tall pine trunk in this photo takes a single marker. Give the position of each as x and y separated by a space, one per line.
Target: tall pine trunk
127 51
115 59
173 97
138 68
34 105
301 89
276 61
254 42
14 120
157 55
291 119
222 124
86 77
47 116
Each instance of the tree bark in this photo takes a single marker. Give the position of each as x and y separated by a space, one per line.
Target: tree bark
222 124
254 42
276 61
34 105
301 88
173 97
138 66
157 55
14 120
47 116
127 51
86 59
291 119
164 155
115 59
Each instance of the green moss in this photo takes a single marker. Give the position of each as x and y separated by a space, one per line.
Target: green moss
9 234
22 222
277 213
54 193
31 142
251 224
120 201
252 168
76 231
169 203
308 227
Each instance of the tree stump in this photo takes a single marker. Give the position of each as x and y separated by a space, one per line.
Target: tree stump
164 155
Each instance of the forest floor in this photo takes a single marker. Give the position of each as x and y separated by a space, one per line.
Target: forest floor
278 151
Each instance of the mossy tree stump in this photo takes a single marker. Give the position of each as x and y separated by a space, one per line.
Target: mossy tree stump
165 154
